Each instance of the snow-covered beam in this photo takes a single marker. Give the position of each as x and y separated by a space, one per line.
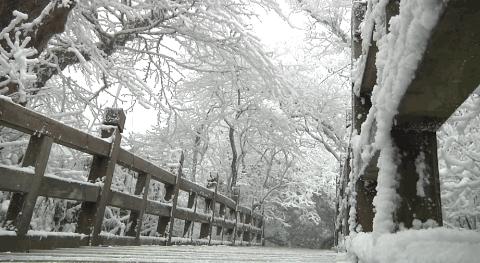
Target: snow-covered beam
445 76
448 72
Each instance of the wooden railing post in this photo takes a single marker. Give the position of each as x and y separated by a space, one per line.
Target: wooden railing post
213 207
205 227
175 199
419 188
96 194
20 209
221 213
136 216
241 230
229 231
164 220
236 198
91 214
253 235
262 225
246 233
191 202
194 213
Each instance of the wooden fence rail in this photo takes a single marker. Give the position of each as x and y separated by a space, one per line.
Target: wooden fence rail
29 182
445 77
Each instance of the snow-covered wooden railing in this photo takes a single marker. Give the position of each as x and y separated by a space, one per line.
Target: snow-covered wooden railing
240 224
411 74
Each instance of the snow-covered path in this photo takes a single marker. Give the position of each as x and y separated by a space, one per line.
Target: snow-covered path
173 254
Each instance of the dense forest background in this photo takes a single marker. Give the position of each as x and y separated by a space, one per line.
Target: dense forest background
271 118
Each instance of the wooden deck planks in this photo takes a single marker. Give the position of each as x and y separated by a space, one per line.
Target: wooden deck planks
173 254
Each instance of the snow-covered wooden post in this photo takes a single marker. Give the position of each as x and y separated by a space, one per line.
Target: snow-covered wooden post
361 103
446 74
247 222
240 230
91 214
221 214
205 227
360 106
261 235
419 183
191 202
164 220
20 209
175 198
236 198
365 185
230 215
194 213
213 207
136 217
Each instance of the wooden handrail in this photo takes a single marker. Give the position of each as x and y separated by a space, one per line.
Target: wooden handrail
30 183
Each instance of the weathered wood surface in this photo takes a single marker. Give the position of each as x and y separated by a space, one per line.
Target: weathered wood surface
175 254
136 217
91 214
27 121
29 183
21 206
446 75
24 120
449 70
15 180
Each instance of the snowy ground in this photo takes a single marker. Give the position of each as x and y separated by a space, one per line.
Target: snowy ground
175 254
435 245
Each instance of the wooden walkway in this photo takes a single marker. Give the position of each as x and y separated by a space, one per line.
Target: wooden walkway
173 254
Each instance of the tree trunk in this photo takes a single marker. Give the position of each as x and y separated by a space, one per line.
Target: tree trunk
231 136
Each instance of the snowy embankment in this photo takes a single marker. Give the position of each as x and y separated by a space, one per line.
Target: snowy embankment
422 246
400 51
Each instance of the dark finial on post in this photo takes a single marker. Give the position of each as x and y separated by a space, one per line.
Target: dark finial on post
115 117
212 181
236 193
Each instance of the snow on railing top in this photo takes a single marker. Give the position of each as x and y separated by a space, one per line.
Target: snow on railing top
400 51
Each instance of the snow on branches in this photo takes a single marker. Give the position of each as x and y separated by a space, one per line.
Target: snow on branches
25 33
16 61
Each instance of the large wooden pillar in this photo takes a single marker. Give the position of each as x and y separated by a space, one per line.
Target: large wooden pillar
361 104
419 183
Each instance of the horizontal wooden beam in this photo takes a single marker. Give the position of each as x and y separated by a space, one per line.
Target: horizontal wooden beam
125 201
13 179
187 186
19 118
138 164
448 72
17 180
22 119
228 202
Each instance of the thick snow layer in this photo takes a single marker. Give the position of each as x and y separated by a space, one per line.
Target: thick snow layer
423 246
400 51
